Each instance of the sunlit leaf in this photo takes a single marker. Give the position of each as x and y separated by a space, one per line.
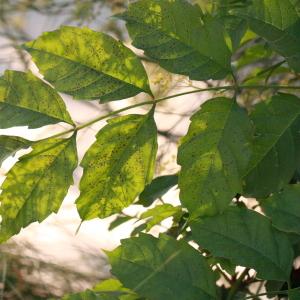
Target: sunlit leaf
36 186
162 268
177 35
213 156
26 100
247 239
118 165
88 64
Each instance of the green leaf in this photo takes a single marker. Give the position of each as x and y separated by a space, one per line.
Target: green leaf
157 188
119 221
36 186
162 268
276 146
110 289
294 294
213 156
117 166
26 100
176 35
88 64
9 145
159 213
278 22
284 209
248 239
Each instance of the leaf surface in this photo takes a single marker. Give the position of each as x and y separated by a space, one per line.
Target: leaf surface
247 239
154 268
213 156
278 22
117 166
276 145
88 64
26 100
283 208
36 186
176 35
9 145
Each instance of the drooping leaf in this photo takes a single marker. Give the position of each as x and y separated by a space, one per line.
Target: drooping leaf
117 166
247 239
159 213
9 145
162 268
213 156
157 188
88 64
278 22
26 100
276 146
36 186
110 289
119 221
177 35
283 208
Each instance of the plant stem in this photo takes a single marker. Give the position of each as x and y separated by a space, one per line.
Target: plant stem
273 293
155 101
236 285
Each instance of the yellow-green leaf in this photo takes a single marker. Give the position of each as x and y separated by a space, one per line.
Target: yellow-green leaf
26 100
36 186
88 64
117 166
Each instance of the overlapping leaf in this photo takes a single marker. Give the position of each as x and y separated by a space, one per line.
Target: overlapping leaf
179 38
25 100
88 64
36 186
157 188
118 165
9 145
276 146
247 239
278 22
162 268
214 155
284 209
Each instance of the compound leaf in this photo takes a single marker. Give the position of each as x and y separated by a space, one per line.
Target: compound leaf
248 239
276 145
283 208
117 166
154 268
213 156
36 186
88 64
9 145
177 35
278 22
26 100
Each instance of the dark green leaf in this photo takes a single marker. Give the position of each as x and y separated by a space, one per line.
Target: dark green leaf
214 156
26 100
117 166
284 209
157 188
175 34
119 221
36 186
276 145
278 22
247 239
9 145
88 64
159 213
162 268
